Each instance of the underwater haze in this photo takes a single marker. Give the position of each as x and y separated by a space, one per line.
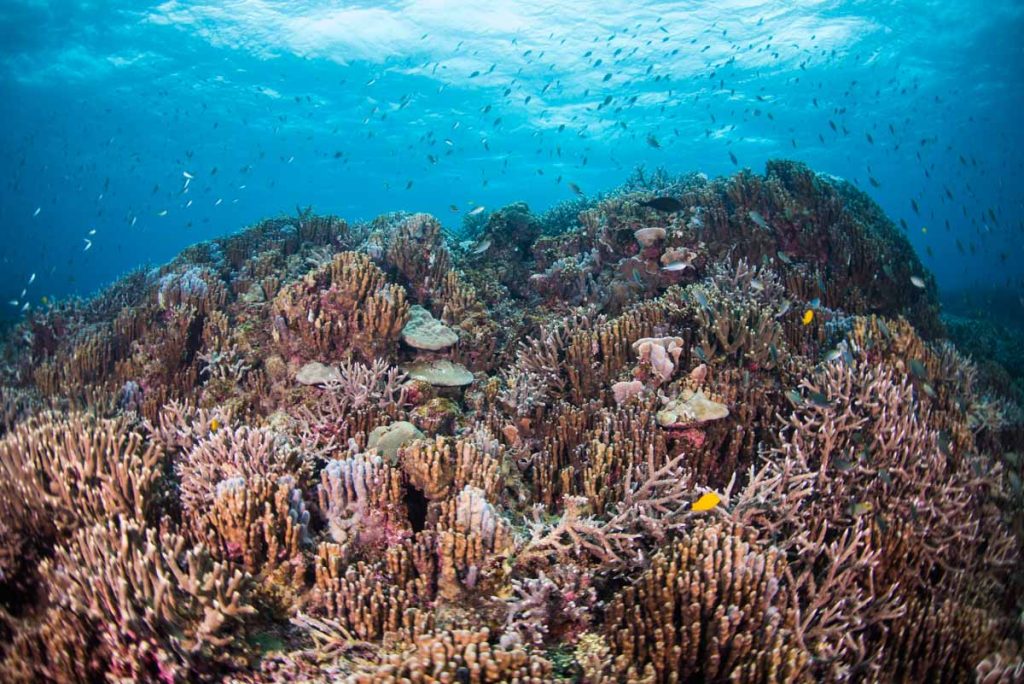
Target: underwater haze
607 342
131 130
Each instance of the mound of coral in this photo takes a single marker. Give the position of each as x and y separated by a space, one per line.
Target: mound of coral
376 452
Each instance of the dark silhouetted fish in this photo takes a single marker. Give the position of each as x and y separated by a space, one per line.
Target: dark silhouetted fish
666 204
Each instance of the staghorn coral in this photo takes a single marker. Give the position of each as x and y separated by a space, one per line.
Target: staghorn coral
257 523
140 606
377 598
344 307
459 655
60 473
230 453
711 607
363 500
234 427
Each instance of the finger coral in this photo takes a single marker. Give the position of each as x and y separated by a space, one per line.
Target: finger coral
692 430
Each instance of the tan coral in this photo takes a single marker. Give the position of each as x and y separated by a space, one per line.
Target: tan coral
344 306
259 523
443 657
372 599
691 408
423 331
471 537
154 602
711 607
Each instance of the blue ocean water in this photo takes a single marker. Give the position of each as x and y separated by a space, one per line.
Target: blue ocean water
131 130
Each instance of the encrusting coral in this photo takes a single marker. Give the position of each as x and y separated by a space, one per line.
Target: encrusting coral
725 442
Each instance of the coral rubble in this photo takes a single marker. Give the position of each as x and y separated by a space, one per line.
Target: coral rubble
328 452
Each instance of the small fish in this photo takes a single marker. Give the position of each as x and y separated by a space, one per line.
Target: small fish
218 202
944 441
32 279
699 351
214 425
884 327
784 309
862 508
807 317
794 397
36 212
917 282
706 502
477 211
14 302
652 141
669 205
773 353
88 244
187 175
814 303
758 219
833 354
784 258
756 285
162 213
819 398
575 188
918 369
928 389
25 306
677 266
701 299
482 247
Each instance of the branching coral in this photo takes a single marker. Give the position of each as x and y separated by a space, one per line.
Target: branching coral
344 307
60 473
231 453
363 501
620 440
142 606
257 523
711 607
372 599
459 655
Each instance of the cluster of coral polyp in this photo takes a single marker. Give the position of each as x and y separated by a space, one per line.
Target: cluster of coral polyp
327 452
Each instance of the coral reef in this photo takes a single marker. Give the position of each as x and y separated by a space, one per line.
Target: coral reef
719 440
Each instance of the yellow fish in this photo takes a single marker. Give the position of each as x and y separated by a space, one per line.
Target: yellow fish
706 502
808 317
214 425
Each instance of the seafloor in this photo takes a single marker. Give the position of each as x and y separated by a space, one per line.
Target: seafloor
717 437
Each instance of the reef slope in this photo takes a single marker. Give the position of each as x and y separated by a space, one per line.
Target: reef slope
376 451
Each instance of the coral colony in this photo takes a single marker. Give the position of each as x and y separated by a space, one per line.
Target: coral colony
698 431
